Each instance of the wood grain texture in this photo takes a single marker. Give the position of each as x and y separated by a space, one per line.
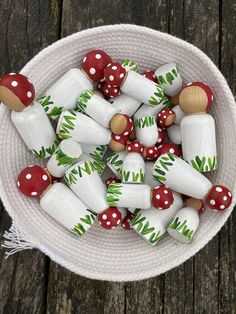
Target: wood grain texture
204 284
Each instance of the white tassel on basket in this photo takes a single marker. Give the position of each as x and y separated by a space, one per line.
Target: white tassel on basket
16 240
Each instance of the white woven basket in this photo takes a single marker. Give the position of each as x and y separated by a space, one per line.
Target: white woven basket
116 255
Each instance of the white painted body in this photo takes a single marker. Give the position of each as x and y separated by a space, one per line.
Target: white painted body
174 134
34 127
94 150
99 164
145 110
88 187
187 217
173 88
100 110
179 114
147 135
183 178
65 91
125 104
64 206
85 129
139 87
115 162
199 139
132 195
56 165
148 178
158 219
133 169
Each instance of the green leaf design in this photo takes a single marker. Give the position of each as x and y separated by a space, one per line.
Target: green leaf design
47 104
161 168
63 159
114 190
84 98
145 122
129 64
115 162
86 167
85 222
170 78
182 228
67 124
45 152
204 164
157 97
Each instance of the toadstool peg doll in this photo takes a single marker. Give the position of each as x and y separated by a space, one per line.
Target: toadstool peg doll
169 78
56 199
166 118
198 127
138 196
125 222
134 84
108 90
150 152
17 92
183 178
110 218
157 220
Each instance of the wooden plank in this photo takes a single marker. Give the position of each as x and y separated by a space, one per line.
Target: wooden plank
227 255
26 27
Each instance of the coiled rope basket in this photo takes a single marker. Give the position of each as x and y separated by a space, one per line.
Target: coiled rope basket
116 255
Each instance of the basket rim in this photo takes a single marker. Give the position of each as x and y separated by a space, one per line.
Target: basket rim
43 245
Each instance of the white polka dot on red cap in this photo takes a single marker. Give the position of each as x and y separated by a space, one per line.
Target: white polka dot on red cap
129 148
107 91
111 77
28 176
117 137
18 183
85 58
29 94
166 202
171 150
98 56
115 90
150 151
166 192
126 133
104 217
118 221
225 198
14 83
12 73
218 189
164 117
222 206
212 202
114 215
34 193
92 71
230 195
114 67
136 145
158 196
122 75
44 177
108 223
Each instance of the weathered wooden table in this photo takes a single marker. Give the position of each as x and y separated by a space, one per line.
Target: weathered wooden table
29 281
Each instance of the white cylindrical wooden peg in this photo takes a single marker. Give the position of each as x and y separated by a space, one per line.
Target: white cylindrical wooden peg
125 104
96 107
66 154
179 114
180 176
169 78
199 141
174 134
97 152
81 128
148 178
63 94
115 162
184 225
65 207
129 195
84 180
152 223
142 89
99 164
36 130
146 111
146 130
133 169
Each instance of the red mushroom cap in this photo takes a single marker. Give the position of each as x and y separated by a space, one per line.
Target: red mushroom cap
166 118
196 204
125 223
121 124
33 181
110 218
118 142
219 198
112 180
94 63
108 90
150 152
151 76
135 147
16 91
161 136
169 148
114 74
162 197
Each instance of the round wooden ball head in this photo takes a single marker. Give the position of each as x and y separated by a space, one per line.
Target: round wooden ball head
121 124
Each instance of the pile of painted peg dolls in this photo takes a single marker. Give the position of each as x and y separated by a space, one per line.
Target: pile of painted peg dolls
161 140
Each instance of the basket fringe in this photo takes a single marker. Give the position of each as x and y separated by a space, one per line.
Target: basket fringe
16 240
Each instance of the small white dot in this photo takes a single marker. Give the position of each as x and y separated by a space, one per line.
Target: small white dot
123 225
44 177
230 195
98 56
212 202
108 223
150 151
126 133
14 83
18 183
114 67
129 148
166 202
104 217
31 166
165 192
84 59
141 149
117 137
164 117
107 91
29 94
159 140
28 176
92 71
111 78
136 145
121 75
12 73
155 148
160 207
99 222
159 115
156 188
130 120
115 90
113 227
222 206
225 198
109 86
114 215
118 222
171 150
158 197
218 189
33 193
